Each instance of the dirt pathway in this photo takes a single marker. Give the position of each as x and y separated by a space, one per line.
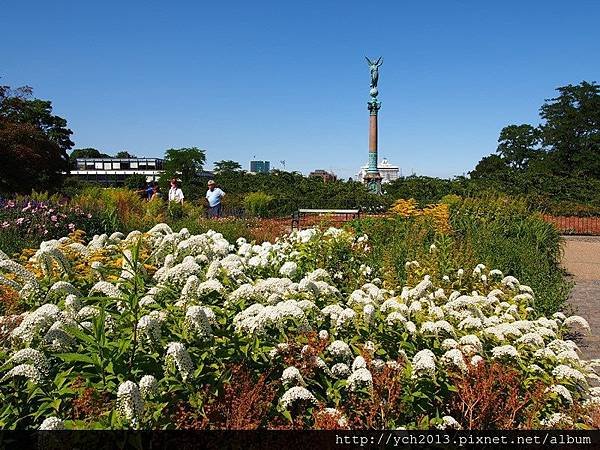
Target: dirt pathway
582 260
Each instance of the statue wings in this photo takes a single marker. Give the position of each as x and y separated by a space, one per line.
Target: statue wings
377 63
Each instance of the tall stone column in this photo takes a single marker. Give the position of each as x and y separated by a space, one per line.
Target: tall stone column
373 178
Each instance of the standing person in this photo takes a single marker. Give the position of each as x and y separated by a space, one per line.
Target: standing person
149 191
175 193
156 191
214 196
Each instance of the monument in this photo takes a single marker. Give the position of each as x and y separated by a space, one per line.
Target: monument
372 178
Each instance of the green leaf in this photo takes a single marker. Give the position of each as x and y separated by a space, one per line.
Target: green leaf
75 357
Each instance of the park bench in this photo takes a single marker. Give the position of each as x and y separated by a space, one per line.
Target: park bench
341 215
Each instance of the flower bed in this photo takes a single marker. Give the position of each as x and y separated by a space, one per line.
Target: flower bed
25 221
173 330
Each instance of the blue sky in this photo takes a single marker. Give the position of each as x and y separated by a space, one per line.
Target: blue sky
284 80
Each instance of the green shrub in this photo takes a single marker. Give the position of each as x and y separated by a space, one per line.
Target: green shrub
257 203
499 232
230 228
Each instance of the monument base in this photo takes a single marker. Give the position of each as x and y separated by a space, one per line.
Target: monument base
373 182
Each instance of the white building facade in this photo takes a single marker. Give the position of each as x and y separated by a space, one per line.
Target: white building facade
387 171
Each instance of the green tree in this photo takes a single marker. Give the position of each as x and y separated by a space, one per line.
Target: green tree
86 153
124 154
571 132
184 163
135 181
518 145
225 166
489 166
18 106
33 142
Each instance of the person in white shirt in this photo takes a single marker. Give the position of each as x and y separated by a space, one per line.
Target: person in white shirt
214 196
175 193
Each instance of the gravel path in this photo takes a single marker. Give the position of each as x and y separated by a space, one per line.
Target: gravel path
582 260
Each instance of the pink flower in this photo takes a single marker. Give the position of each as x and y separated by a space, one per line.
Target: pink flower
20 220
53 218
5 224
89 216
71 226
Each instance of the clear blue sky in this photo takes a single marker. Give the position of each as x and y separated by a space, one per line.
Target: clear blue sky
288 80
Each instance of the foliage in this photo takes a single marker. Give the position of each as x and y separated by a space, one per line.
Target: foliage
496 231
86 153
17 106
136 181
291 191
162 330
571 130
119 208
124 154
184 163
566 144
33 142
518 145
227 166
257 203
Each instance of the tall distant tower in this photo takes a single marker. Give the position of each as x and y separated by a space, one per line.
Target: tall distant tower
373 178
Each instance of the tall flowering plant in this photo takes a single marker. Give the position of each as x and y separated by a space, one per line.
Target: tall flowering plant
157 325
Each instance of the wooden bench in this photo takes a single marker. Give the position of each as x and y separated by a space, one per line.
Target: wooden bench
344 214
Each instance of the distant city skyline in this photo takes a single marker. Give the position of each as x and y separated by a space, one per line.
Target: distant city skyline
288 81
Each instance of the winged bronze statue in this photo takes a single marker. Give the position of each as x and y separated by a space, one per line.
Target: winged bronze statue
374 67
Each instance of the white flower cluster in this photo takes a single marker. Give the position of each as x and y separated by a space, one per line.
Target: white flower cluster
37 322
51 423
177 354
291 376
26 371
197 319
48 256
148 386
150 328
33 356
129 401
423 364
297 394
360 378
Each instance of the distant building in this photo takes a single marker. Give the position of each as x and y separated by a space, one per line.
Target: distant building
260 166
114 171
323 174
387 171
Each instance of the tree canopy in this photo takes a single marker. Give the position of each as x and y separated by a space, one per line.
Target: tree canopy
33 142
566 143
227 166
185 163
86 153
124 154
